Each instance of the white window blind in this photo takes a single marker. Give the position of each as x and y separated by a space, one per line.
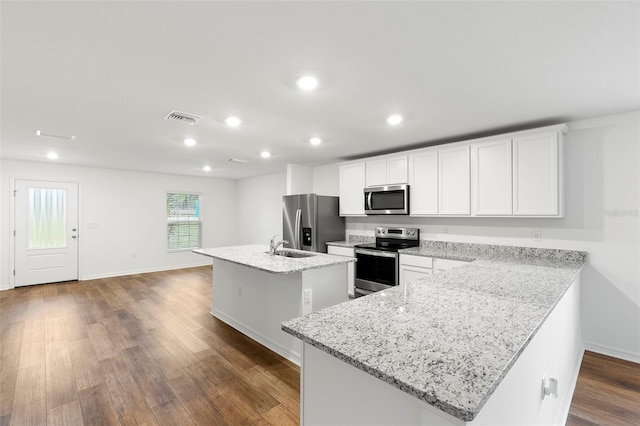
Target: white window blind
184 227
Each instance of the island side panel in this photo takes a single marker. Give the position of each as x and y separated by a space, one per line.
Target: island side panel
256 303
336 393
555 351
328 286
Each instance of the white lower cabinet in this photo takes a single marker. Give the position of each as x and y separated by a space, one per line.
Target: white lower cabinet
414 267
347 252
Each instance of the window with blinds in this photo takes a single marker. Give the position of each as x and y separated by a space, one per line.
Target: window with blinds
184 227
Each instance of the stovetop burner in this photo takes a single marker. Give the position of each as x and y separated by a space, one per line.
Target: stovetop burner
393 239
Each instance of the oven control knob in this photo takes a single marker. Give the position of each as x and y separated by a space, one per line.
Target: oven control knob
382 231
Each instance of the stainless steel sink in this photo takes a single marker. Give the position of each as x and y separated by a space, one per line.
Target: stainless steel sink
292 254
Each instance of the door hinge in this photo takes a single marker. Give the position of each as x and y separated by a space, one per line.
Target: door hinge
14 192
14 272
14 232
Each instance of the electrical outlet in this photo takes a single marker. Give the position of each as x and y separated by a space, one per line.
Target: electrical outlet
446 231
537 236
306 296
92 225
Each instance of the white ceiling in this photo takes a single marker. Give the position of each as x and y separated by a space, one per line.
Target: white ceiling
108 73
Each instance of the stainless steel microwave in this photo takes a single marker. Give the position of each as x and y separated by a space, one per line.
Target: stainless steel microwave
388 199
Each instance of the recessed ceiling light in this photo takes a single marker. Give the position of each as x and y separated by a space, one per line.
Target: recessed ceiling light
233 121
52 155
265 154
189 142
315 141
207 168
307 83
394 119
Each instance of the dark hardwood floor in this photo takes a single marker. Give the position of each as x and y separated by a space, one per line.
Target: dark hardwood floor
144 350
607 392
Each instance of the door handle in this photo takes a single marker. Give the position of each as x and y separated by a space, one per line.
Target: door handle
74 236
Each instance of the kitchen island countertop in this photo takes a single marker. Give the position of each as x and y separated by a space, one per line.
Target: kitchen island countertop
448 339
257 256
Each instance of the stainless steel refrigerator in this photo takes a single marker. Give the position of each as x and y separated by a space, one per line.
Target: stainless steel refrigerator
309 221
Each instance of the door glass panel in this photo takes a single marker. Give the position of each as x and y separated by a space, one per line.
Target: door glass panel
47 213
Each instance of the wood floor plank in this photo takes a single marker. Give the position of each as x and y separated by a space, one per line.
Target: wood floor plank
101 342
65 415
60 385
172 413
127 398
30 404
97 407
180 332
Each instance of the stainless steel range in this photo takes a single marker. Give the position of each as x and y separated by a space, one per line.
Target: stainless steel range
377 267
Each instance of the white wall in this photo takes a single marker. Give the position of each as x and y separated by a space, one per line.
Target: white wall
602 192
299 179
326 180
130 210
260 208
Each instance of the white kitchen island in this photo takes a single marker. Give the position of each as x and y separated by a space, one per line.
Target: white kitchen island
472 345
255 292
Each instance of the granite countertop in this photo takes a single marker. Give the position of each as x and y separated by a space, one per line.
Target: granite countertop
342 244
257 256
450 338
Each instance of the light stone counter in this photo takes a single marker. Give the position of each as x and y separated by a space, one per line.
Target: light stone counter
449 339
257 256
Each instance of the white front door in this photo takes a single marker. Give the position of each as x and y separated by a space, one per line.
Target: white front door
46 237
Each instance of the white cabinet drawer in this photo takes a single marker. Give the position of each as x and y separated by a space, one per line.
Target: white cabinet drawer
419 261
340 251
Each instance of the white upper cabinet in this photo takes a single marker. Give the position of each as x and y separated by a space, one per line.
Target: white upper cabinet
453 181
387 171
536 174
423 183
491 178
512 175
376 172
352 183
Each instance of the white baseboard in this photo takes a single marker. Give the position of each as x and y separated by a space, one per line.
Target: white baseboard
613 352
141 271
258 337
124 273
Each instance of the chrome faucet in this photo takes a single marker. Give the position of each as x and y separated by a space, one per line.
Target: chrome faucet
273 246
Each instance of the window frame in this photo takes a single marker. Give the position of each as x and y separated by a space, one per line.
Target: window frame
173 222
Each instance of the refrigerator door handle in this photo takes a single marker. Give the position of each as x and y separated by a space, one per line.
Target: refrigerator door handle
298 230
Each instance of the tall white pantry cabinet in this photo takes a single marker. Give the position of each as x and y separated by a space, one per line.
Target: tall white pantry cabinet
512 175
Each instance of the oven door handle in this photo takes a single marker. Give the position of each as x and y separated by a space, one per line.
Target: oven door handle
377 253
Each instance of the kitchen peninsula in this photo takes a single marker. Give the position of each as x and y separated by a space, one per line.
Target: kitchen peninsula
484 343
254 292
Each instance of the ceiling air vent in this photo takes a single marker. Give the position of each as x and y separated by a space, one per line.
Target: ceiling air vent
237 160
182 117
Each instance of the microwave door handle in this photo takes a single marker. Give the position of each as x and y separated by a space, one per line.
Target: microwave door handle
368 206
